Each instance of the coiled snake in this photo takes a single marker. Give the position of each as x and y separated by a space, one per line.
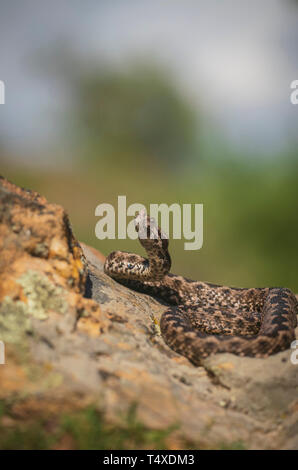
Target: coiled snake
204 318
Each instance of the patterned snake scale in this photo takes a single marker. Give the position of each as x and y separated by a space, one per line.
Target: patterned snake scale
205 318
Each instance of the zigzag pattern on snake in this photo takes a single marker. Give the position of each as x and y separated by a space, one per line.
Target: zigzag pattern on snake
204 318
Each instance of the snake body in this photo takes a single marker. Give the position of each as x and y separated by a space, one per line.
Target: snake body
204 318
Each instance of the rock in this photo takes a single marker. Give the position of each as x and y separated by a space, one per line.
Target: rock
84 338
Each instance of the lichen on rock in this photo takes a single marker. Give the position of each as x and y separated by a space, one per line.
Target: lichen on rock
14 321
42 295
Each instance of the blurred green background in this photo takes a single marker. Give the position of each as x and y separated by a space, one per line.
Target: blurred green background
132 128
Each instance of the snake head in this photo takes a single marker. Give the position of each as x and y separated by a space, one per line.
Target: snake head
147 228
141 220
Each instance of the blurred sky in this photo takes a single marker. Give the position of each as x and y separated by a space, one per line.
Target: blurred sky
234 59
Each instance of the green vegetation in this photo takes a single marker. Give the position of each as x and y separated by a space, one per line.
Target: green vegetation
87 429
84 429
81 429
237 445
131 115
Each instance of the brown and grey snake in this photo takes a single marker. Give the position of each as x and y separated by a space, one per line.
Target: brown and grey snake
205 318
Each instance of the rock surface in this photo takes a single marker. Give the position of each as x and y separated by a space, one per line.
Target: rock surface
74 336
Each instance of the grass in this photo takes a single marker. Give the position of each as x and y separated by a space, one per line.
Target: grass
236 445
87 429
90 431
82 429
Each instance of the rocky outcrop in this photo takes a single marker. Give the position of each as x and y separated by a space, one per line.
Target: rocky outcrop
74 336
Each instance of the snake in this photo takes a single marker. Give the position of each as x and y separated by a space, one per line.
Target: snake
202 318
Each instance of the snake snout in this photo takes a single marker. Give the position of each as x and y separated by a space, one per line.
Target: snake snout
140 219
